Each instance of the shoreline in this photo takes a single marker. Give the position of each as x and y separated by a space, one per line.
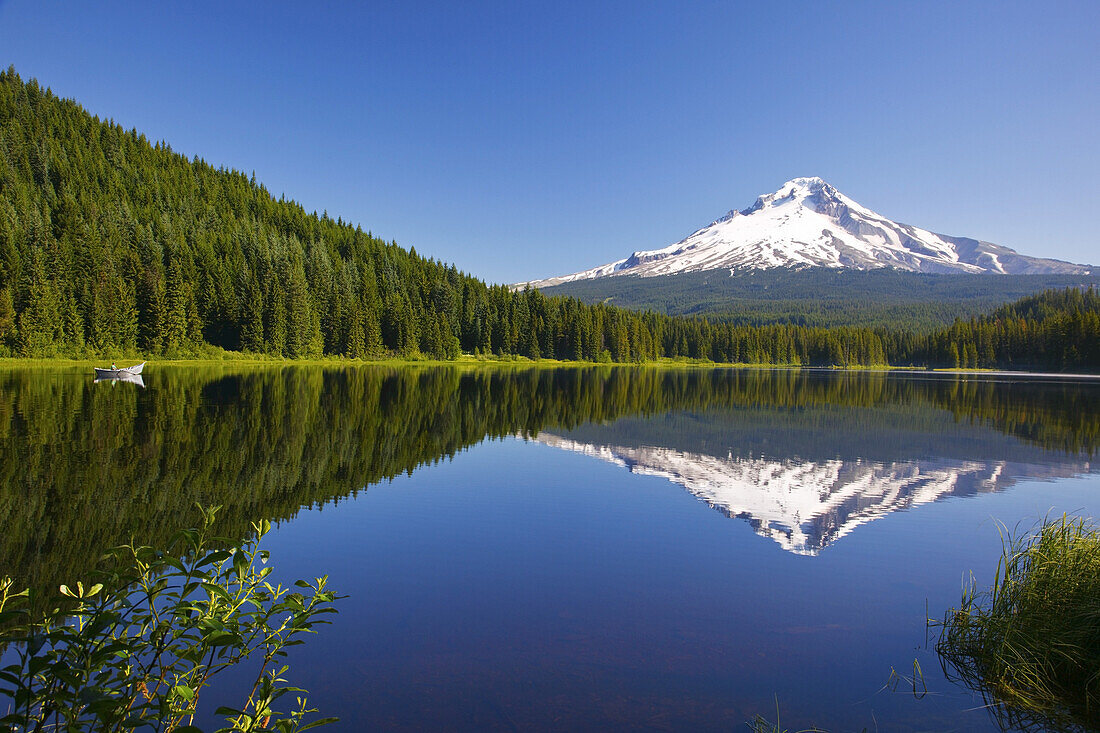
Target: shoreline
466 360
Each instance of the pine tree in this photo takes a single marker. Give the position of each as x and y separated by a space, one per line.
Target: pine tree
39 324
72 325
532 349
252 324
357 341
176 297
9 334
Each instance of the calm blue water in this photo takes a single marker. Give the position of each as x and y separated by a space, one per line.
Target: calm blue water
523 587
694 553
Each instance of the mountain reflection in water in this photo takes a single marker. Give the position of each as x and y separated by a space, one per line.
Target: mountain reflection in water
807 472
806 456
804 505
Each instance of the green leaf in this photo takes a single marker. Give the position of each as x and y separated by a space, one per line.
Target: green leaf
105 706
174 563
184 692
318 723
216 590
215 556
222 638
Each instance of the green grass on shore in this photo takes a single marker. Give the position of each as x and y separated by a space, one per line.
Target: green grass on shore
241 359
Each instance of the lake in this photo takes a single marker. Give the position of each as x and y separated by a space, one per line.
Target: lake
591 548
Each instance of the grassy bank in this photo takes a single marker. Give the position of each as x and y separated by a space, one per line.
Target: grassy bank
1031 643
236 358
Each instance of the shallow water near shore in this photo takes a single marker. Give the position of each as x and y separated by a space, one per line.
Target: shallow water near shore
576 548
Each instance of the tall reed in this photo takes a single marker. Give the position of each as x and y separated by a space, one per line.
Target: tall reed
1031 643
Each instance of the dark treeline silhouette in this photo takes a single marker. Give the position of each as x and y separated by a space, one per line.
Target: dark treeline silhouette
111 244
85 466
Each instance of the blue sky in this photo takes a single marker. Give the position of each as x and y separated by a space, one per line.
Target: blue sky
524 140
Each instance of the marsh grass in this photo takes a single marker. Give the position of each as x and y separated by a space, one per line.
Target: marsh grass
760 724
1031 643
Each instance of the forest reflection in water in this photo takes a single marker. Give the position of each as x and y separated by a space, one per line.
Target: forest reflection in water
88 466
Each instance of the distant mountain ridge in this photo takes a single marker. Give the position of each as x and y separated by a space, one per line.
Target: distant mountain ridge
808 223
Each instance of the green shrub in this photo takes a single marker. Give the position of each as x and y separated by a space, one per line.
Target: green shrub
136 649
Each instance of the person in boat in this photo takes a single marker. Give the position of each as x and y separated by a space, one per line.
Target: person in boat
113 367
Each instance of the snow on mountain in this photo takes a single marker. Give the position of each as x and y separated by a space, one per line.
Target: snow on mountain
805 505
808 223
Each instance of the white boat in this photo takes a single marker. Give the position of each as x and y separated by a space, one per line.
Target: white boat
122 373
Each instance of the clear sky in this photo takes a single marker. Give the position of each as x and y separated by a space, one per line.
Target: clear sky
524 140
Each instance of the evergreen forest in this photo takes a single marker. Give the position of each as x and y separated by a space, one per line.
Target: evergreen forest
112 244
820 296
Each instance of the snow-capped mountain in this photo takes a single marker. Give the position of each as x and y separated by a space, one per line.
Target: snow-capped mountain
808 223
806 505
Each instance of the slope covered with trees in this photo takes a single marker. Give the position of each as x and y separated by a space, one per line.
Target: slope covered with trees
110 242
1057 330
819 296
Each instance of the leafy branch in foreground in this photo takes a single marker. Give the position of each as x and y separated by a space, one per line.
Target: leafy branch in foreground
1031 644
136 649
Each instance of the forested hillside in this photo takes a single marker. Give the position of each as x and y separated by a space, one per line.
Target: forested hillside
112 244
109 242
1056 330
819 296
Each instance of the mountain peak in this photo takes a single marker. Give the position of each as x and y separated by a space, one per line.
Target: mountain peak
802 188
808 223
809 182
796 190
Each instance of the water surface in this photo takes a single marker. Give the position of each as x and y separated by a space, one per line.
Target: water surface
601 548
